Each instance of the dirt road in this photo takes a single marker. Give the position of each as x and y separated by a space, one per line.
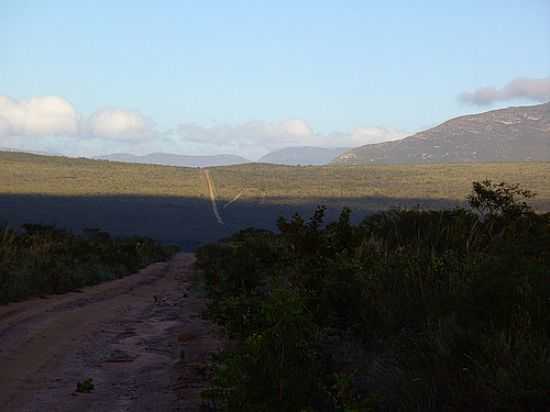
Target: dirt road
141 339
212 195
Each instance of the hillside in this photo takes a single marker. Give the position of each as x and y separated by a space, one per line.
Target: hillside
171 159
173 204
305 155
512 134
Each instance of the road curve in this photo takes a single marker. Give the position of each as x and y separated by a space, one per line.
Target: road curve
141 339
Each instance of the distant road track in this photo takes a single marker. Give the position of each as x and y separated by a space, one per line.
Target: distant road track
234 199
212 196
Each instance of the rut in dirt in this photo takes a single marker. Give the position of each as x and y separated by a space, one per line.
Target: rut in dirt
141 339
212 195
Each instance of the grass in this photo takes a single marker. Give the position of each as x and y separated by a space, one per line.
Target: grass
33 174
451 181
40 259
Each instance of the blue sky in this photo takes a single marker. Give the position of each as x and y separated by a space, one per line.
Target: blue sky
336 66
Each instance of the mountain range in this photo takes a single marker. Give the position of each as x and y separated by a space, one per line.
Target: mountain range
36 152
304 155
511 134
170 159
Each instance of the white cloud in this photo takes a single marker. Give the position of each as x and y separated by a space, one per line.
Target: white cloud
520 88
370 135
51 123
251 139
295 127
53 116
119 124
38 116
258 132
254 139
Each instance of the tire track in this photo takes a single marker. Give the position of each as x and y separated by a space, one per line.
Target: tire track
140 338
212 196
234 199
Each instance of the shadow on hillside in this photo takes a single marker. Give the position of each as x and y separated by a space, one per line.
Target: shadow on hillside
188 222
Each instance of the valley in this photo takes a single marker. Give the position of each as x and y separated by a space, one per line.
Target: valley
174 205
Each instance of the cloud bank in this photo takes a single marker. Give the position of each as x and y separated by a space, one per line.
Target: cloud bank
257 138
46 116
51 123
370 135
249 133
119 124
38 116
520 88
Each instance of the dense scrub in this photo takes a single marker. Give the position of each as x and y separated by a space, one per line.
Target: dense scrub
411 310
42 259
369 187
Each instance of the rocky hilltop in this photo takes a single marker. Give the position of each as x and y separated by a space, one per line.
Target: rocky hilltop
511 134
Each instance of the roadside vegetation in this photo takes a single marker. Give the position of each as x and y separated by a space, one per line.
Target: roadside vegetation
22 173
377 187
410 310
39 260
373 187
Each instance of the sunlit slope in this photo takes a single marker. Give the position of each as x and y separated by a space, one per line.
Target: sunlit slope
513 134
385 184
380 185
31 174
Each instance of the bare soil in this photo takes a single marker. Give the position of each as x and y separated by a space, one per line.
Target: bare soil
212 194
141 339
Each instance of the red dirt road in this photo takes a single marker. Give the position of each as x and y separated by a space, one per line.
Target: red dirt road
128 335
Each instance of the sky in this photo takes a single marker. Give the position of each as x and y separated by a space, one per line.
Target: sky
246 77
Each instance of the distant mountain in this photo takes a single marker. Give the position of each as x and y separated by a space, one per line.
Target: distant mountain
305 155
36 152
512 134
170 159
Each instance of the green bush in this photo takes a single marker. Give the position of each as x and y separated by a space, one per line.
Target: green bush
43 260
411 310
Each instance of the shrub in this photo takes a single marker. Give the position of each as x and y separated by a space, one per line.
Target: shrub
43 259
409 310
